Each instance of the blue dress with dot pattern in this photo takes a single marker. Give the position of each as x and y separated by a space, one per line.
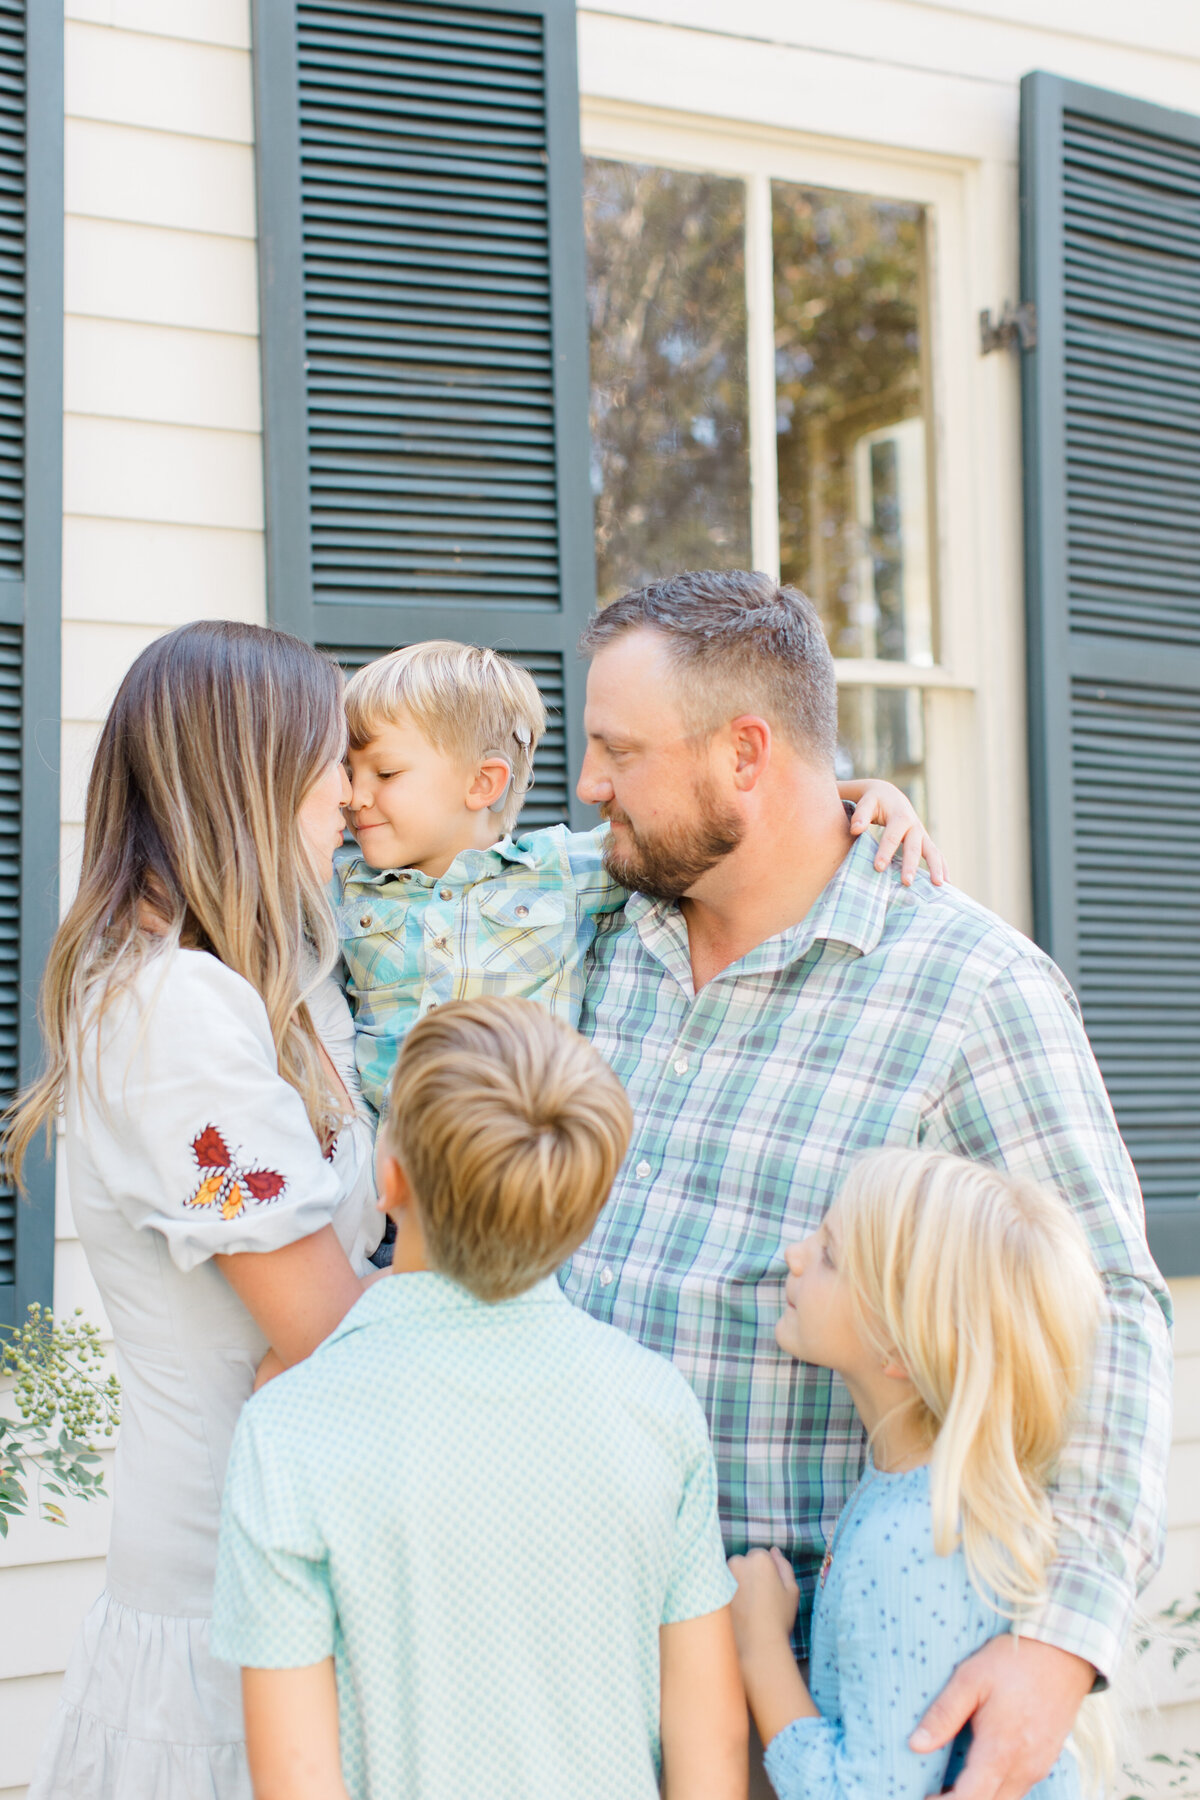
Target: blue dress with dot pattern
892 1622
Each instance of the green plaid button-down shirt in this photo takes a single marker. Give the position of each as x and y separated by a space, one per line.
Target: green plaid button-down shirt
515 920
888 1015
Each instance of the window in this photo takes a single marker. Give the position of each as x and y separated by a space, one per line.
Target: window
762 394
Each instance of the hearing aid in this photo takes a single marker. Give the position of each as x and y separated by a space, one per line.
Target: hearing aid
521 736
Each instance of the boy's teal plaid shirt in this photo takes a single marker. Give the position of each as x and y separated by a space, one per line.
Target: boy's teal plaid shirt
888 1015
516 920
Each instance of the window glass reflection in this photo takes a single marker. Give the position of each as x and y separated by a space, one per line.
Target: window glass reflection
881 731
850 417
669 399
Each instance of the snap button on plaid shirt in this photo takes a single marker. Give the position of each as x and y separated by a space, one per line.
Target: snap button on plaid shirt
888 1015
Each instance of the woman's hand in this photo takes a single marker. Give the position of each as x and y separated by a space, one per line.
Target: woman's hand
270 1366
880 803
764 1611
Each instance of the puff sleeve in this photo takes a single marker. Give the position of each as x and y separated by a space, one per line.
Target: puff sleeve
188 1123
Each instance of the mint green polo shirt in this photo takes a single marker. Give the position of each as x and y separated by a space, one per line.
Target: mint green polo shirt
484 1513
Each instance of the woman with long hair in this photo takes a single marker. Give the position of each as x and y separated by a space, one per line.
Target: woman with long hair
218 1156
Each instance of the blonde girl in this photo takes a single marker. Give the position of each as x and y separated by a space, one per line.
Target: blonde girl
218 1161
959 1306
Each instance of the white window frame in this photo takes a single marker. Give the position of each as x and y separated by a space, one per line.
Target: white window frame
963 717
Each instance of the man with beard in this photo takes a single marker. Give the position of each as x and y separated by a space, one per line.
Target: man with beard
775 1006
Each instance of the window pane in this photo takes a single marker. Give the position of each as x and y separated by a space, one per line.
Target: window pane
669 409
850 417
881 731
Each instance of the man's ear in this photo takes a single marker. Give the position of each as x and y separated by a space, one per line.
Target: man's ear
751 738
488 783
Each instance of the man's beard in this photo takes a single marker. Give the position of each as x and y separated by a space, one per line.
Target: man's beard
664 867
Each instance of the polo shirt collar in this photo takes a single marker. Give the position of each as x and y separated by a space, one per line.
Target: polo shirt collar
428 1295
851 910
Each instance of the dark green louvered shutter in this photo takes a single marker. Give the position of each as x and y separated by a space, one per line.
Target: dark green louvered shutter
424 348
1111 258
31 123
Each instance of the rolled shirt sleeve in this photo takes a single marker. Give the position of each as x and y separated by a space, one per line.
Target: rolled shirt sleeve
1025 1093
198 1135
597 893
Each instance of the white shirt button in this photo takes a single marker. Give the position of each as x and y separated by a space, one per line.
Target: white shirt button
642 1170
681 1065
445 894
605 1276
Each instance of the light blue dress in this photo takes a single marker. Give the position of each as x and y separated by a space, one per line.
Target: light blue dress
890 1625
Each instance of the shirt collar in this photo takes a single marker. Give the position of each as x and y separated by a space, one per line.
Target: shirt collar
428 1295
851 909
468 867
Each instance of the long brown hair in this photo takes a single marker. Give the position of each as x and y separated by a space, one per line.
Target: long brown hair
191 837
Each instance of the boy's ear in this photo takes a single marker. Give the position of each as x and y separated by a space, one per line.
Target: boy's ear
489 783
395 1190
893 1368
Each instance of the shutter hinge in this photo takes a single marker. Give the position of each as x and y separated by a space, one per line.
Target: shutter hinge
1016 326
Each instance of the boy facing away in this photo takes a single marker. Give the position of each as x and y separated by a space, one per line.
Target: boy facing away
510 1581
437 900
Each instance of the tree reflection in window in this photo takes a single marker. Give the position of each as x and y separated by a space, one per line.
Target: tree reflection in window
669 396
850 417
881 731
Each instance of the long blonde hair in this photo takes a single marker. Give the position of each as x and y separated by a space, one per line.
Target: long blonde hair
982 1286
191 837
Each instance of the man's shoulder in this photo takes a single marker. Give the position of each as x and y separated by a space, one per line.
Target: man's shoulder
965 938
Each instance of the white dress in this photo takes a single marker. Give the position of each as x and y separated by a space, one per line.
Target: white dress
190 1143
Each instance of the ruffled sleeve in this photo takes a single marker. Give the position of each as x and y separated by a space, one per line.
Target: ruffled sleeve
190 1126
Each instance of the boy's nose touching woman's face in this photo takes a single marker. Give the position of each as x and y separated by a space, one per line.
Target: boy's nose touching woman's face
407 798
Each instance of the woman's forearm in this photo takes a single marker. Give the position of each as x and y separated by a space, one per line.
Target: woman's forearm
297 1294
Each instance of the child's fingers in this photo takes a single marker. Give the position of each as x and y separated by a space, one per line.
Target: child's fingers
783 1568
894 832
935 862
862 816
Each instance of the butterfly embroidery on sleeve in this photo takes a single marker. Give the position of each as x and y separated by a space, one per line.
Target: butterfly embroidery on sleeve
224 1183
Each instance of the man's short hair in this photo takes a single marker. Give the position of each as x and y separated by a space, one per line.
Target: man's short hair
740 643
510 1128
468 701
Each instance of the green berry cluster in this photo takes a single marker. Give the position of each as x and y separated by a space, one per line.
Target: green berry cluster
57 1373
57 1369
